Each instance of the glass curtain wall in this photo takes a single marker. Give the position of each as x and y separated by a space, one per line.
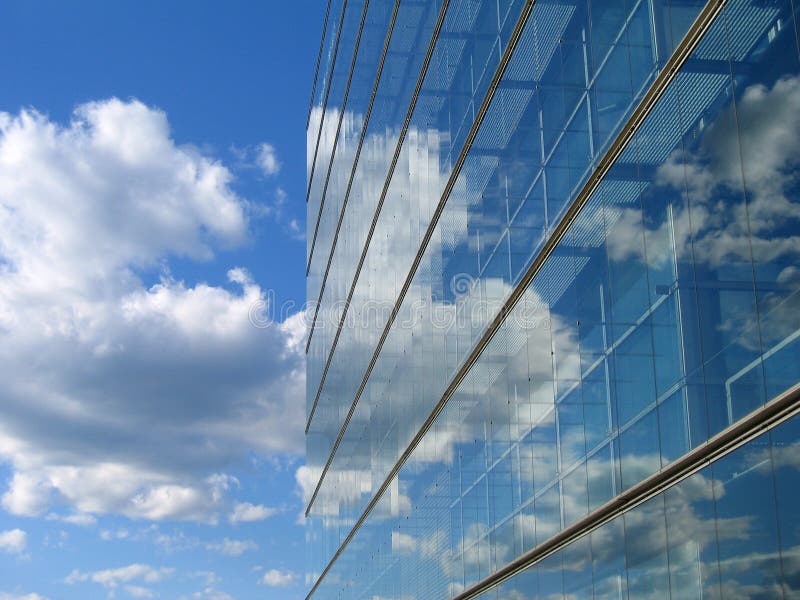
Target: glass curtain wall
667 311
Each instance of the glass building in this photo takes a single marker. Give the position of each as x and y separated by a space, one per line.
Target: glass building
554 285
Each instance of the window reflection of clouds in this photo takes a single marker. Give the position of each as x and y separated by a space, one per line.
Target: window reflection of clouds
414 22
469 194
700 551
421 174
769 138
570 385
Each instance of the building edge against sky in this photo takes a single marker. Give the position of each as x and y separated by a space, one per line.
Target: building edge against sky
554 278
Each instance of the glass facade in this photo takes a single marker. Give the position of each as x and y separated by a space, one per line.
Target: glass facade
554 296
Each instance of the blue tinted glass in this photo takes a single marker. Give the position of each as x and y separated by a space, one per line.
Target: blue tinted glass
666 312
706 537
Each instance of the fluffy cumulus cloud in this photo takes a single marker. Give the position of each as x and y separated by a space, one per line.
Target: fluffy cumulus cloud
121 395
137 591
128 576
245 512
13 541
229 547
80 520
210 593
267 159
278 578
306 478
758 143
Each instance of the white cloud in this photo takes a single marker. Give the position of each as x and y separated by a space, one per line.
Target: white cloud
177 541
109 189
403 543
120 534
13 541
276 578
7 596
78 519
112 578
172 541
267 159
211 593
306 478
209 577
106 378
26 495
280 198
137 591
245 512
762 137
230 547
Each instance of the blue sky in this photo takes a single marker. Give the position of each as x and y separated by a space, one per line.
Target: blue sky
152 179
